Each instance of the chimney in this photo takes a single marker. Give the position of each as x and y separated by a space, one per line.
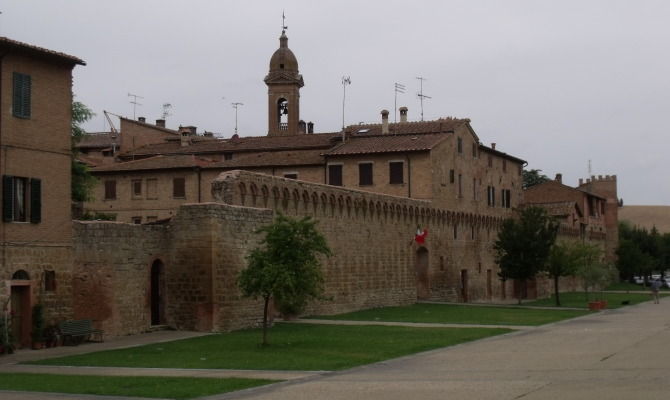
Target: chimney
160 123
302 127
142 120
185 132
581 181
493 146
403 114
559 178
208 134
310 127
385 122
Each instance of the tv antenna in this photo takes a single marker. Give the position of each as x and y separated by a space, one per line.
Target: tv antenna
589 168
166 110
420 95
346 80
134 102
399 88
235 106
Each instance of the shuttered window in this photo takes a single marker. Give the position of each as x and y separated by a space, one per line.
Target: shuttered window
335 175
21 95
396 172
179 188
110 190
365 174
21 199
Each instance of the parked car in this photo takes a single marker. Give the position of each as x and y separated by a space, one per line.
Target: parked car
638 279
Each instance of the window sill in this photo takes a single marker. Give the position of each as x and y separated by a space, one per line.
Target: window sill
179 198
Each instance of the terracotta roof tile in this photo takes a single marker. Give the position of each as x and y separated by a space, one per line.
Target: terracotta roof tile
388 143
560 208
434 126
272 158
29 48
94 141
153 163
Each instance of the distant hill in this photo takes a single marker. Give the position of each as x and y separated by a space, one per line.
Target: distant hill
647 216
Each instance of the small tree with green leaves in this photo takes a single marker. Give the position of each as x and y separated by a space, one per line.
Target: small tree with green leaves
82 180
591 268
285 267
532 177
563 261
523 245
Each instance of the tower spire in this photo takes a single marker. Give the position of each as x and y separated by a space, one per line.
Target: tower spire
283 23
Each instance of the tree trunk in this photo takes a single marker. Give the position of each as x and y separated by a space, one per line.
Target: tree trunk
558 300
265 320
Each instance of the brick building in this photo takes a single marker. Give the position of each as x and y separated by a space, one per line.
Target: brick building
35 162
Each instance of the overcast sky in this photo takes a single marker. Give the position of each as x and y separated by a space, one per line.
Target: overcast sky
557 83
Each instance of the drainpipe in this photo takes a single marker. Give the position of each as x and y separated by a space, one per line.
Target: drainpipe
409 176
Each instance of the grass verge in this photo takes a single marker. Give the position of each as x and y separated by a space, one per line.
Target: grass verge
456 314
292 347
137 386
631 287
578 299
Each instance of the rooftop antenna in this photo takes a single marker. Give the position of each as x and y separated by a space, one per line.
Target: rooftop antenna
589 168
399 88
235 106
134 102
166 110
420 95
346 80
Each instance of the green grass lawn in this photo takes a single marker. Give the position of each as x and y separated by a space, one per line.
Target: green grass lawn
456 314
631 286
578 299
138 386
292 347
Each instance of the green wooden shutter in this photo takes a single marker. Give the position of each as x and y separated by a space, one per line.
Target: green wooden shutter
21 99
27 85
35 201
7 198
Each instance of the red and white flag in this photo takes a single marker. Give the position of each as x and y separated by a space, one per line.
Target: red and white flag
420 236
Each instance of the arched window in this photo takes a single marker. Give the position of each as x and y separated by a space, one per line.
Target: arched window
21 275
282 114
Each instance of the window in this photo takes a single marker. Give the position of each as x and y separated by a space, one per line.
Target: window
396 171
504 165
137 187
365 174
460 185
474 150
490 196
227 156
335 175
452 178
179 188
110 190
49 281
459 145
455 231
21 95
22 199
152 188
136 220
490 160
508 198
291 175
474 189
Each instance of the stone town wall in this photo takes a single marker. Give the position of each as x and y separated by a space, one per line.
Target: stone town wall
112 263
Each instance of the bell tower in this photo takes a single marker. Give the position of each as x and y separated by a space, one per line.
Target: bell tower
284 83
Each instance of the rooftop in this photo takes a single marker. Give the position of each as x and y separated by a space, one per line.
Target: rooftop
11 44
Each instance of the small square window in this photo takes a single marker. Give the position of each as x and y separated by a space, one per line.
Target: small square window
291 175
227 156
365 174
136 220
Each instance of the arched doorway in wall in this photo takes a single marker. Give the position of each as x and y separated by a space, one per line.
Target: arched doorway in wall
20 306
157 293
421 267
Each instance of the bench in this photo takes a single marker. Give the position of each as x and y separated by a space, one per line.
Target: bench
75 332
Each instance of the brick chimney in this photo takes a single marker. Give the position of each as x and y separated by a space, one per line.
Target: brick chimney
142 120
302 127
493 146
310 127
385 122
160 123
559 178
403 114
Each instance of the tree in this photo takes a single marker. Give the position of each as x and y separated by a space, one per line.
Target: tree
82 180
591 268
523 245
563 261
532 177
286 266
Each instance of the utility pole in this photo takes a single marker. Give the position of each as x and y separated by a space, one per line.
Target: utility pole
235 106
134 102
399 88
420 95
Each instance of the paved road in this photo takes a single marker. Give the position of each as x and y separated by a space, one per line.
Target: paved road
616 354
